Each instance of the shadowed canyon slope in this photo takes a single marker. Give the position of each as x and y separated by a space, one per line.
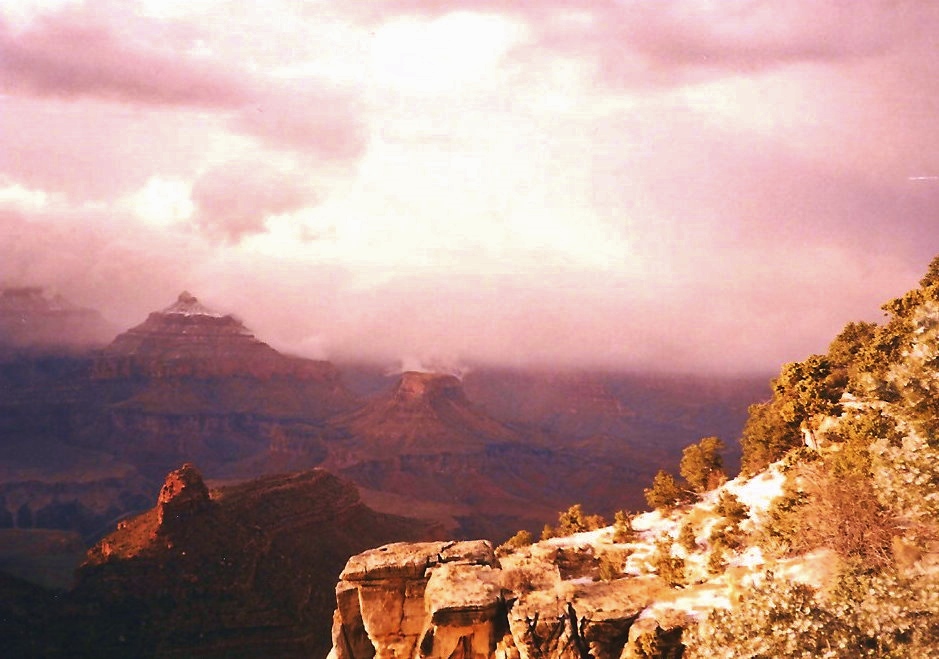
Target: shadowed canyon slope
88 437
426 443
244 570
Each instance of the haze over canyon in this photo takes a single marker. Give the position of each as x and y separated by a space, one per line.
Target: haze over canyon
601 183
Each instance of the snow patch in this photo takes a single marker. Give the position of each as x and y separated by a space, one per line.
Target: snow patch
751 558
759 492
695 602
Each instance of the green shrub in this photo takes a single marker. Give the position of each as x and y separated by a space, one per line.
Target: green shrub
658 644
766 437
866 614
716 562
731 508
670 568
523 579
839 511
777 619
727 534
623 527
778 534
686 537
521 539
702 465
572 521
610 567
665 493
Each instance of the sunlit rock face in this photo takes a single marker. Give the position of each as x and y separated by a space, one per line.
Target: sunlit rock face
426 599
455 599
182 496
245 570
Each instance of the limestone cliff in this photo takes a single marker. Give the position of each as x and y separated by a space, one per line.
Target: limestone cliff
456 599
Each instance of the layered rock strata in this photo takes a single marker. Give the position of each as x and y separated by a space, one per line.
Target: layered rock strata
187 339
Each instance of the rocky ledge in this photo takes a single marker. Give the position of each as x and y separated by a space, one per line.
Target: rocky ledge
456 599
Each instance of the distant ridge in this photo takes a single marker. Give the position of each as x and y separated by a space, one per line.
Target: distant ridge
31 319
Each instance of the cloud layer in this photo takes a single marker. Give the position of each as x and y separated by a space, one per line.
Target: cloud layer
611 183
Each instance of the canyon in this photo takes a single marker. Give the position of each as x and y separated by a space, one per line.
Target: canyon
301 463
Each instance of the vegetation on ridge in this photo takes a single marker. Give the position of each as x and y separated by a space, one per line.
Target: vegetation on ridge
842 559
865 487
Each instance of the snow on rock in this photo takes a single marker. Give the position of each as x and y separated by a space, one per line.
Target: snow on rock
581 539
188 305
751 557
812 569
693 602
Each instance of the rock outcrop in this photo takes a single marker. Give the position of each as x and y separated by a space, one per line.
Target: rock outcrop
245 570
182 496
434 598
455 599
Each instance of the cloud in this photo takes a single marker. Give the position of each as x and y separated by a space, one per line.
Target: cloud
637 43
234 200
93 150
307 117
97 259
675 185
77 53
72 53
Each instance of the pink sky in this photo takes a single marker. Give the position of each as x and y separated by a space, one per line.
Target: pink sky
679 184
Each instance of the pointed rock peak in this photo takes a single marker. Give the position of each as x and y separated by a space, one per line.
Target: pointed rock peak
416 385
188 304
183 493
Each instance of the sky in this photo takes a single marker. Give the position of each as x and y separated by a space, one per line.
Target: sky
685 185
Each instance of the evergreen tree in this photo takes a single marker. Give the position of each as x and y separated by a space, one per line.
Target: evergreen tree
665 492
702 465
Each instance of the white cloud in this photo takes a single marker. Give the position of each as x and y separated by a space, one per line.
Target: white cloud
163 201
22 198
443 53
22 12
